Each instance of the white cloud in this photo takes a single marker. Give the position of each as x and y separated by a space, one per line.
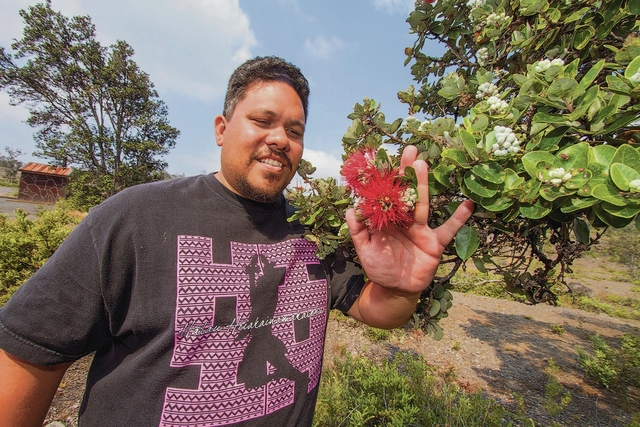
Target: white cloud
322 48
189 47
395 6
326 164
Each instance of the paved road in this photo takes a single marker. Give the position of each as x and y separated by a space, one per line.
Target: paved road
8 203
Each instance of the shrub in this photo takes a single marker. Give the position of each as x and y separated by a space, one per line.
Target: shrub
26 243
399 392
532 113
614 368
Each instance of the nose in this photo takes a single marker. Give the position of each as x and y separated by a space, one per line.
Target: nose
278 138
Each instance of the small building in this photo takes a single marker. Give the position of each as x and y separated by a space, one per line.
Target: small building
43 183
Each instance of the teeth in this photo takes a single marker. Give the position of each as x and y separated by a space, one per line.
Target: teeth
272 162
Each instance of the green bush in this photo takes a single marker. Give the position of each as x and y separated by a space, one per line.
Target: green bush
401 392
614 368
26 243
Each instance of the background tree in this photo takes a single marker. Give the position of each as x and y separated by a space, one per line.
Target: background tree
532 112
10 164
94 109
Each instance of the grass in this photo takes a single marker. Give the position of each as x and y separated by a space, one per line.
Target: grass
402 391
5 183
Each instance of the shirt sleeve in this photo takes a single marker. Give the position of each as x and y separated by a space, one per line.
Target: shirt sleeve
58 315
346 280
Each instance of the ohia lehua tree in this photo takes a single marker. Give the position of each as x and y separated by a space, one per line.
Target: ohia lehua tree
532 112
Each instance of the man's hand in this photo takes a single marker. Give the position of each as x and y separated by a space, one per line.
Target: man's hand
401 262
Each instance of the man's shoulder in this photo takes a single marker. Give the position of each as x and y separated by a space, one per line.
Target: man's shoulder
166 189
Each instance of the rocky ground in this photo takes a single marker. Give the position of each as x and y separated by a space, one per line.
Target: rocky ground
498 347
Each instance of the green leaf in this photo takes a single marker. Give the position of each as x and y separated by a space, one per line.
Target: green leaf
562 89
531 160
634 8
538 210
541 117
489 171
608 194
449 92
395 126
442 174
479 122
602 154
480 265
620 122
497 204
579 179
584 103
533 7
435 308
468 141
577 15
582 231
435 331
574 157
479 186
466 242
633 67
582 35
627 155
438 292
455 156
622 175
551 140
590 77
629 211
553 193
611 220
575 204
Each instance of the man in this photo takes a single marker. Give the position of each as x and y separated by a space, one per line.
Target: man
203 305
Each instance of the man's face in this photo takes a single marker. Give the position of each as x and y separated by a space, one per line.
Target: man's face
262 143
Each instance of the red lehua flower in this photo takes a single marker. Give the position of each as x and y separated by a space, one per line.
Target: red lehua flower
382 201
359 168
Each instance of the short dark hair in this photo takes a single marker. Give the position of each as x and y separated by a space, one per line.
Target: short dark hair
264 69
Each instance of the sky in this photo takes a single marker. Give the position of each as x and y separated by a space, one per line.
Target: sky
348 50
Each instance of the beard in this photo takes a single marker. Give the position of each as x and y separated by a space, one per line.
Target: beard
276 187
263 195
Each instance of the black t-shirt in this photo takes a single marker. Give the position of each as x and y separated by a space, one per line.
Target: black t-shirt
202 308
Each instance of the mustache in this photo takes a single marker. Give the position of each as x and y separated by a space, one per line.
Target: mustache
281 155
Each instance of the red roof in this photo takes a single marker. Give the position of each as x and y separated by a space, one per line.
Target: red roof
45 169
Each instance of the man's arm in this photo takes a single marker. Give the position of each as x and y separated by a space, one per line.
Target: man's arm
26 390
401 262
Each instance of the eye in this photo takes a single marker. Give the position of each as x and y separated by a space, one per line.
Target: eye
262 122
293 133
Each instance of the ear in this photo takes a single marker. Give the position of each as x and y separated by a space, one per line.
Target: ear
219 126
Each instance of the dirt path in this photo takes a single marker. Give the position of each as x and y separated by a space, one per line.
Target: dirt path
495 346
503 347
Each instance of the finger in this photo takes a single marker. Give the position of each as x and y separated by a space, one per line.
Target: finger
421 211
447 231
357 229
409 155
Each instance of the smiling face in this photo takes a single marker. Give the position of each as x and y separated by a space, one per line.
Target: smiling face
262 142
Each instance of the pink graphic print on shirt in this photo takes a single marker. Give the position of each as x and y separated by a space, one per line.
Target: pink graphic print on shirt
255 327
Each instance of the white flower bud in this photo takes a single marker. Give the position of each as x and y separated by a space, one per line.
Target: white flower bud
556 181
566 177
557 173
